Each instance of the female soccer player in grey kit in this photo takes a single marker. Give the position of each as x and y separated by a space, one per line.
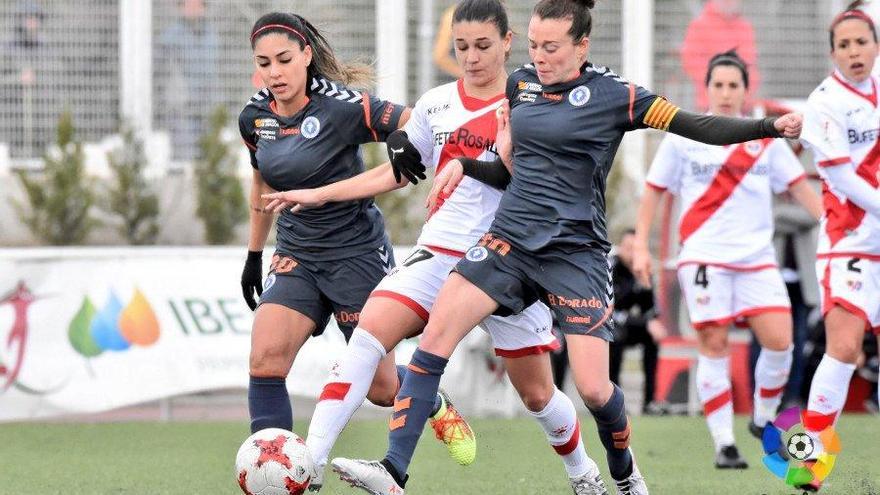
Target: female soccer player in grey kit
450 120
548 240
303 130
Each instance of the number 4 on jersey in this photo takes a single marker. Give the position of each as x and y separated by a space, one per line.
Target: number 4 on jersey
700 278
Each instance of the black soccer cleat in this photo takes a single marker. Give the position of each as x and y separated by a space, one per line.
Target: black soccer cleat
728 458
755 430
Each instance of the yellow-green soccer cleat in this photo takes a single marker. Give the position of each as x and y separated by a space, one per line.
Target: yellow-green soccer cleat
451 429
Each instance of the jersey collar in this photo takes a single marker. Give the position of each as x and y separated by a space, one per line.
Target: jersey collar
872 97
472 104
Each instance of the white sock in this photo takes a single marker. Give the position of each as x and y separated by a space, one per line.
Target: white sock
344 392
771 376
713 388
559 421
830 386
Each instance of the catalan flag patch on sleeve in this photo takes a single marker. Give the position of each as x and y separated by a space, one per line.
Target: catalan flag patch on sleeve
660 114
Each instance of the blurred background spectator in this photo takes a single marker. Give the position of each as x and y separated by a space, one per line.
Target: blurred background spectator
189 50
636 319
718 28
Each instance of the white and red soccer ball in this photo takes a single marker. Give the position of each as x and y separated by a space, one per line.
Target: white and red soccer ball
274 462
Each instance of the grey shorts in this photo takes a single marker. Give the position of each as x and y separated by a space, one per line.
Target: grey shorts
575 284
319 289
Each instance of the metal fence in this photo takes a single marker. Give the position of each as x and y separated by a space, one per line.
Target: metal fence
57 56
202 55
60 55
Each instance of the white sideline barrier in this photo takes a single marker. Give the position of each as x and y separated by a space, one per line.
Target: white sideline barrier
86 330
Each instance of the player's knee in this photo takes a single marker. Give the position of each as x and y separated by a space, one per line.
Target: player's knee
382 397
382 392
782 343
268 362
713 346
844 351
595 395
536 398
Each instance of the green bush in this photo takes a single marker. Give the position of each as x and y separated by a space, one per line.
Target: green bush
130 197
60 198
221 200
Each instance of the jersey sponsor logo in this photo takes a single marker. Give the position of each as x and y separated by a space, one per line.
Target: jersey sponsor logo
346 317
856 137
437 109
527 97
267 134
265 123
291 131
500 246
386 114
579 96
552 96
529 86
585 320
738 164
591 303
310 127
463 137
476 254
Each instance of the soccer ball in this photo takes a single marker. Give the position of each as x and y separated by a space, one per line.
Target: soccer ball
800 446
274 462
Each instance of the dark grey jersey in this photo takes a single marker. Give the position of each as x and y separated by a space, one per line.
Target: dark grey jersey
317 146
564 140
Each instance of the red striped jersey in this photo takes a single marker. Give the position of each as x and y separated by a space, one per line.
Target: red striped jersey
841 126
447 123
726 196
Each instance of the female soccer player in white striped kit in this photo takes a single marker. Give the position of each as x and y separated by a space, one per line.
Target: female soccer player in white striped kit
841 127
453 120
727 265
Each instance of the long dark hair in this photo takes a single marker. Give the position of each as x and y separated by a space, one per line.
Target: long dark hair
324 61
576 10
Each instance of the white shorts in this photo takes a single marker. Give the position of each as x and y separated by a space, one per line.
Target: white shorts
719 296
417 281
854 284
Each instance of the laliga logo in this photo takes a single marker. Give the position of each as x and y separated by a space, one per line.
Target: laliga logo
113 328
807 457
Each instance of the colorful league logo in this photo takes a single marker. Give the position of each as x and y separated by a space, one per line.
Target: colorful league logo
801 446
113 327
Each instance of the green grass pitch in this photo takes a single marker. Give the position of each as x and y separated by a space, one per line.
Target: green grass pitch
674 454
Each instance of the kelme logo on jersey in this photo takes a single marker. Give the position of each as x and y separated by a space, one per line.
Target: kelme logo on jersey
579 96
310 127
477 253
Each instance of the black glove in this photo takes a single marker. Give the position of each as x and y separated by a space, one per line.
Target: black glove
405 158
252 278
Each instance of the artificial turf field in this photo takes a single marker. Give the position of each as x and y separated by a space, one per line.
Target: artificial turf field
674 454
